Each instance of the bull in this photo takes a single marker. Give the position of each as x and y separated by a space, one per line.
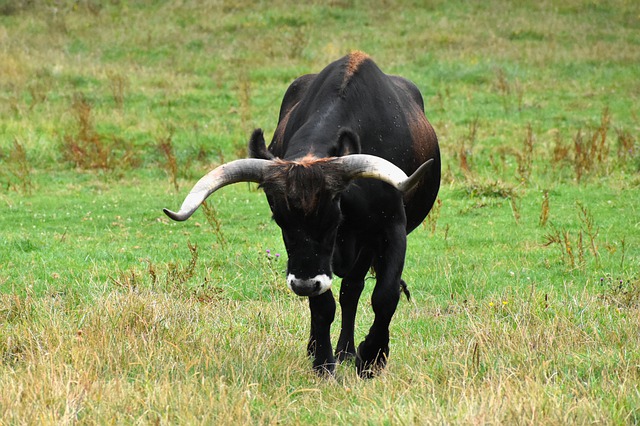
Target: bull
353 167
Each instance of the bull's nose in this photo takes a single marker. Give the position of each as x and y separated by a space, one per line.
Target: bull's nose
309 286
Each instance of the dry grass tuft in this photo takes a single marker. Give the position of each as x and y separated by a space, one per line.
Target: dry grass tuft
88 149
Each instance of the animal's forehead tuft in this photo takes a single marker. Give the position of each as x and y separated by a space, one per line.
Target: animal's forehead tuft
304 183
307 161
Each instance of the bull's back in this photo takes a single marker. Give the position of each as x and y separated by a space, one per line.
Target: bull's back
386 112
392 125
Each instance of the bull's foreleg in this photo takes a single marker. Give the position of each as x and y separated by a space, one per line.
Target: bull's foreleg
350 291
374 350
323 309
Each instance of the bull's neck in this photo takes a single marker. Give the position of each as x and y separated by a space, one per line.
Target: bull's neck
318 135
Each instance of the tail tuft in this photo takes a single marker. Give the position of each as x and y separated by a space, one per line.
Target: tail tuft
405 290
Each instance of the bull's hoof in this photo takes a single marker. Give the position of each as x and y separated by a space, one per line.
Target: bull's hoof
345 351
324 364
326 369
343 355
370 361
311 349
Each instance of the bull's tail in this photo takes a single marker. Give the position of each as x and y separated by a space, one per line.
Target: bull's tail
405 290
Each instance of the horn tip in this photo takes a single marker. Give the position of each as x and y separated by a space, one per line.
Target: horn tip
176 216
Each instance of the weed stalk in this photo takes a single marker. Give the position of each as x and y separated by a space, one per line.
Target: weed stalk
590 229
544 210
525 159
466 147
165 146
212 218
19 167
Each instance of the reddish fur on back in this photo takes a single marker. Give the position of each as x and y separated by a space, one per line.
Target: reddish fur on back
356 58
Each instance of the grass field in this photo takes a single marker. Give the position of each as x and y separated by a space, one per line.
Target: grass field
525 278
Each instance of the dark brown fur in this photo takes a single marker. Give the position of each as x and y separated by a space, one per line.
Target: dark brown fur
420 130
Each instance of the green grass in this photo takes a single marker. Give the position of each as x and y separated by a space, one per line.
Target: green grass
523 311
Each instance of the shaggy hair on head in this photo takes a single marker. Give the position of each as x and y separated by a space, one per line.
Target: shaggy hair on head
305 183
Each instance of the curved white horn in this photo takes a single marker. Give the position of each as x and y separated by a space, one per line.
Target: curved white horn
370 166
244 170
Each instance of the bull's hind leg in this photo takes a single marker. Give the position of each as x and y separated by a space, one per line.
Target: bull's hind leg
323 309
374 350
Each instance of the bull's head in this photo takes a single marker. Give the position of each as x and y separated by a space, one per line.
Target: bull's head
304 197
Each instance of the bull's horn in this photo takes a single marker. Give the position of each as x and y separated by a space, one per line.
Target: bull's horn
370 166
245 170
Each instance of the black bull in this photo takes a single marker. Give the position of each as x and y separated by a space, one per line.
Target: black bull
335 177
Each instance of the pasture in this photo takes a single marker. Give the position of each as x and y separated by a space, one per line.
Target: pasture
525 278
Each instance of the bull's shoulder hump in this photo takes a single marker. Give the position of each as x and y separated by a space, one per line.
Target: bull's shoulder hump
295 92
298 87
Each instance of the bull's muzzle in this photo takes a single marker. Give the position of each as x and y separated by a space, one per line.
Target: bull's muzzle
308 287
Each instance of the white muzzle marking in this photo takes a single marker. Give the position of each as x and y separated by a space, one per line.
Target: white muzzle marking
309 287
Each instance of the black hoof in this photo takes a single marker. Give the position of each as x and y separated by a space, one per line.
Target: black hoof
370 361
325 369
342 356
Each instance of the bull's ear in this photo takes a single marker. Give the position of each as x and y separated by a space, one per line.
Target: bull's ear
258 147
348 143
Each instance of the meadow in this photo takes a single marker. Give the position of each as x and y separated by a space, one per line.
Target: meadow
525 277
